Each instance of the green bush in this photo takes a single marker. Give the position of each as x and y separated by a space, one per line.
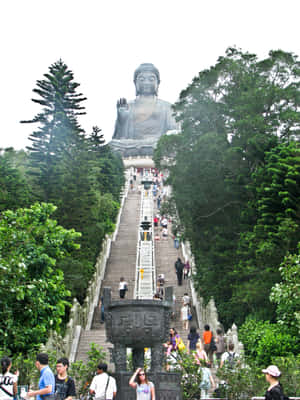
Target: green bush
264 341
190 375
242 382
290 374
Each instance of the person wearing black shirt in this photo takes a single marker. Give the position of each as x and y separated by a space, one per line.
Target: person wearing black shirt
64 384
274 391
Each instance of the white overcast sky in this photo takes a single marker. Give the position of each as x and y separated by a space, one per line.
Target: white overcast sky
103 41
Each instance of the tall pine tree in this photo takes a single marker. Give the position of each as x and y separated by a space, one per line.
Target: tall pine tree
58 132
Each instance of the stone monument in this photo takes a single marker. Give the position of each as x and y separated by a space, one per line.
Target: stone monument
138 324
141 122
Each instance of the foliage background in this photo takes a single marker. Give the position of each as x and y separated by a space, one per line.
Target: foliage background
66 181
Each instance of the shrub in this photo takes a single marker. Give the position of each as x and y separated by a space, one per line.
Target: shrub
264 341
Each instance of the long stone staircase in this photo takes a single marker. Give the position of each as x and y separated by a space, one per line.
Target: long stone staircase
122 262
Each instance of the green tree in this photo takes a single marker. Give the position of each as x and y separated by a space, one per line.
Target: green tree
107 166
237 118
14 189
263 341
286 294
32 290
88 202
275 193
74 171
58 131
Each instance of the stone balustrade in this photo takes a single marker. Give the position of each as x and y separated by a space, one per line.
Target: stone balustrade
208 314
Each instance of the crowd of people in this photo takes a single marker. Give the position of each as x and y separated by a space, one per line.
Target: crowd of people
51 387
212 351
103 386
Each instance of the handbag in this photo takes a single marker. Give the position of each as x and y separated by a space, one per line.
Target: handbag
180 344
212 346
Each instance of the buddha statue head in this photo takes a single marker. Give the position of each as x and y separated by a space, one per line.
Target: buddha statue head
146 80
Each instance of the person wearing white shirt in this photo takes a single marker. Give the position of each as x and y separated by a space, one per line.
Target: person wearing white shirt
123 287
103 386
8 381
230 358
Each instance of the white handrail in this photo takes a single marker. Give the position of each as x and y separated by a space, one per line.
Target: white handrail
145 276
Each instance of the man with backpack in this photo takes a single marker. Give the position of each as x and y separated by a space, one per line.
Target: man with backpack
230 359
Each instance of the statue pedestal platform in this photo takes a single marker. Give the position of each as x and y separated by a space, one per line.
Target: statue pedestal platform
138 162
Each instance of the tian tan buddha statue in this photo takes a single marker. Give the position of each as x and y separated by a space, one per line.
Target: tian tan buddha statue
141 122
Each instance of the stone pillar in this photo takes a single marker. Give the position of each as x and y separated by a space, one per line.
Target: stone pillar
119 357
157 358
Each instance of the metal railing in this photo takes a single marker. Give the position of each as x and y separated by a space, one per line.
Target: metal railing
145 275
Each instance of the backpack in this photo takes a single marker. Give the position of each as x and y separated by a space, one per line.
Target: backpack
212 346
230 362
61 389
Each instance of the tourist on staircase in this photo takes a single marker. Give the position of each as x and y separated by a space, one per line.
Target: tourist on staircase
175 342
164 222
164 233
207 340
186 270
179 270
200 354
184 312
220 343
101 308
207 381
193 338
123 287
186 299
158 201
160 290
230 358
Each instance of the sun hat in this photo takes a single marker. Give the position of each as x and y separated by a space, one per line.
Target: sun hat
272 370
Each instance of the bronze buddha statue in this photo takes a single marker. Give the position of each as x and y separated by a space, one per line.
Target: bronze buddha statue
141 122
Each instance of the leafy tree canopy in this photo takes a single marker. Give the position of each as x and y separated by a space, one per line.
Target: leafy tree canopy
286 294
234 169
32 290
